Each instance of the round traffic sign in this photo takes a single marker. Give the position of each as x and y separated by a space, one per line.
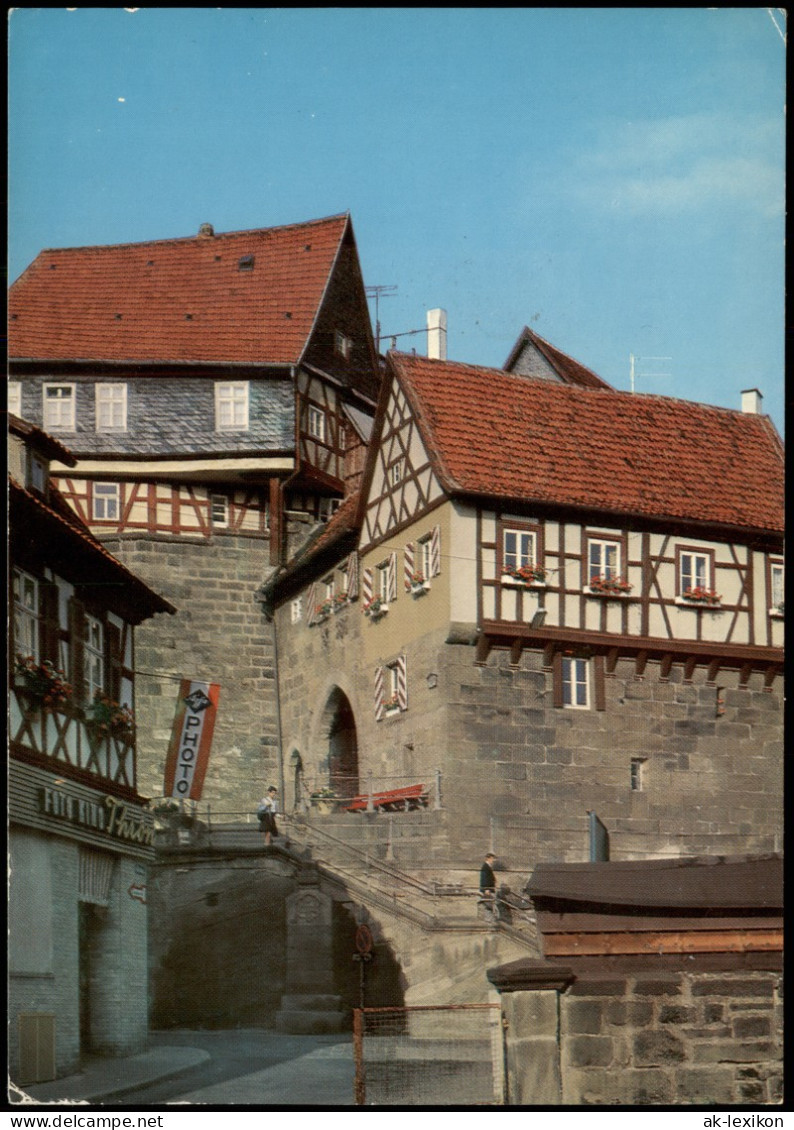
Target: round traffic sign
364 939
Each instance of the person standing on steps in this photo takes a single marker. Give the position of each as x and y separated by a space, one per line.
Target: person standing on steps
487 877
266 811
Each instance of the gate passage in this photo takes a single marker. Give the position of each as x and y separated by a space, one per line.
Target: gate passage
433 1055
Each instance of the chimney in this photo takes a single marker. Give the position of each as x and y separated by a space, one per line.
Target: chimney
206 229
437 334
751 401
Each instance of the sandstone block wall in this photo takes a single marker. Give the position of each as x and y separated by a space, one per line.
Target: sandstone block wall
219 634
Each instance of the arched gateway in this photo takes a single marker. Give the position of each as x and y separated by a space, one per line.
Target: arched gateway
338 729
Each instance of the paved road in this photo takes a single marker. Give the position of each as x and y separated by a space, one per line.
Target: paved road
254 1067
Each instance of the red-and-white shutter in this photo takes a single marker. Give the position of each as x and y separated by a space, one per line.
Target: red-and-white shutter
380 675
366 588
392 576
352 576
435 551
408 557
402 682
311 604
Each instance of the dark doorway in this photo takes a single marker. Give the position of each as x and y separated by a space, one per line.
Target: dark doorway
89 929
342 745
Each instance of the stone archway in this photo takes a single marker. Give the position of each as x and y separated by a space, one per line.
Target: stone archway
339 730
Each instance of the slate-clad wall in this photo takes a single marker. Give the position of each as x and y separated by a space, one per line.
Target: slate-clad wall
219 634
169 416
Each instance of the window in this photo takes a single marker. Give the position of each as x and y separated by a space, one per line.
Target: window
777 588
219 510
37 473
58 412
637 773
111 407
93 655
391 688
105 504
15 398
518 549
296 610
694 571
316 423
26 614
383 582
343 345
426 558
231 406
575 683
603 560
396 473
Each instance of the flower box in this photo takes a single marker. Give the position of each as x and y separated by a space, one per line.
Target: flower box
418 588
104 716
526 577
777 612
44 682
702 597
608 586
375 609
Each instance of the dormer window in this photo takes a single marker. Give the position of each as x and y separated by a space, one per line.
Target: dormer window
245 263
343 345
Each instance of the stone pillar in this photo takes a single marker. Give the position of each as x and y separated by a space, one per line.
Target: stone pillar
310 1004
530 991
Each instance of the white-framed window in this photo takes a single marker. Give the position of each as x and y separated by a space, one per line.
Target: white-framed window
383 578
111 407
296 610
105 502
391 688
426 557
603 559
777 586
231 406
519 548
575 683
219 510
26 613
58 410
694 571
396 473
316 423
15 398
343 345
93 655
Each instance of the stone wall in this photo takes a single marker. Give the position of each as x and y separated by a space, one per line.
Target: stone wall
219 634
672 1038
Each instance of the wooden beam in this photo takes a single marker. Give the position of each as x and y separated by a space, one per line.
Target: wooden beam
689 668
548 655
769 676
667 941
666 666
744 674
714 670
611 661
640 663
516 648
483 650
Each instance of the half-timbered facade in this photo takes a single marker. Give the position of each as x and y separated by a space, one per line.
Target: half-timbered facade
80 833
212 389
569 602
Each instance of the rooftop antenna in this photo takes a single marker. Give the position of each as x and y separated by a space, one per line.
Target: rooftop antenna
378 292
634 374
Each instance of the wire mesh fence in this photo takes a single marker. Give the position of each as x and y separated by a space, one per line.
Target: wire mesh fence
433 1055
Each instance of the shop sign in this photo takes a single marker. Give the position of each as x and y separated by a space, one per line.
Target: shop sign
191 739
109 815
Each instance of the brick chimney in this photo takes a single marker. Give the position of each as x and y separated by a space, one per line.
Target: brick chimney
437 334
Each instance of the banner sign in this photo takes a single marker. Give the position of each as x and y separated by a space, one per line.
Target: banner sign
191 738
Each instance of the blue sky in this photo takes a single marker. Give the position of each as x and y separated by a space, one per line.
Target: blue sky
612 178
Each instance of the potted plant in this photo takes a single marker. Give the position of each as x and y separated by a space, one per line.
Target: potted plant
391 705
700 595
417 584
609 586
105 717
324 800
524 576
376 608
44 682
339 601
323 610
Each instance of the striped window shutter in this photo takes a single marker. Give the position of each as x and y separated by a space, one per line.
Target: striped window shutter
393 576
408 558
352 576
310 610
77 649
435 551
366 588
380 675
402 682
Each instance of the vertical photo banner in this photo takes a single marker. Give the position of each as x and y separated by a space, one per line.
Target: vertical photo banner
191 739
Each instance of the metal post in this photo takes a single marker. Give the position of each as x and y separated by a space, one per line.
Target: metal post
437 802
389 850
370 805
359 1085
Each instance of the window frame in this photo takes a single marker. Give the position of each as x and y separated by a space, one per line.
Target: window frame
27 617
94 644
105 397
296 610
112 494
606 571
343 344
569 685
238 396
317 423
694 552
60 425
532 530
216 502
15 398
776 565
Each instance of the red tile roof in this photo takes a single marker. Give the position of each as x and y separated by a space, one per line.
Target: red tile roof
569 370
178 300
493 434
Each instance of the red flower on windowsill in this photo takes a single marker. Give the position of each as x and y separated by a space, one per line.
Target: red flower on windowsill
699 595
610 586
43 681
526 574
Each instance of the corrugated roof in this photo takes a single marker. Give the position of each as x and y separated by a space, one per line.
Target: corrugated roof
248 297
497 435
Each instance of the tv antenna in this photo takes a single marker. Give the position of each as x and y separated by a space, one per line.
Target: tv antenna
633 374
378 292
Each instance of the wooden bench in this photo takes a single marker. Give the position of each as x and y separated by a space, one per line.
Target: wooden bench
391 800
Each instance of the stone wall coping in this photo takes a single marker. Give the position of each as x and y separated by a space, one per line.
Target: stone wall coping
528 975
